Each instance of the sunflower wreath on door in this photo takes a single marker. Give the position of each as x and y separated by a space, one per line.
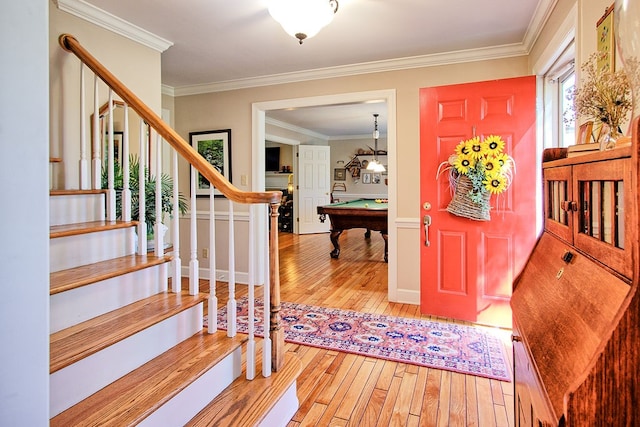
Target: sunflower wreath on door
478 169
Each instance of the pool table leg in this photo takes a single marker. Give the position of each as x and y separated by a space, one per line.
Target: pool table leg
386 245
335 235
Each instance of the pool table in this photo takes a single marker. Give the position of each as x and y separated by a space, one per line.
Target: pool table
360 213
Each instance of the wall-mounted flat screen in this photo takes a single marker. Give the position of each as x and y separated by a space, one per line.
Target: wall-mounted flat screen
272 159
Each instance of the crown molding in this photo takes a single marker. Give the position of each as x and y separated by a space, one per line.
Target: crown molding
539 18
280 139
560 40
352 137
294 128
167 90
304 131
438 59
103 19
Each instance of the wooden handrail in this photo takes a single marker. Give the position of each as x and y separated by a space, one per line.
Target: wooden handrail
272 198
71 44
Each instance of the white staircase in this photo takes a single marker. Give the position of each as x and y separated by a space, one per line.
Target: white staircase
127 351
114 323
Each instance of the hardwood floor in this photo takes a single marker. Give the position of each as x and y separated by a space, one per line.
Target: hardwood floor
339 389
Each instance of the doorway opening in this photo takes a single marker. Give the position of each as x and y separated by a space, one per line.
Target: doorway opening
260 111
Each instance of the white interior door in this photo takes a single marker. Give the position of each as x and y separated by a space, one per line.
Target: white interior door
313 187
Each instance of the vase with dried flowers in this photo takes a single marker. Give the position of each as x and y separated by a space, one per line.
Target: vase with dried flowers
604 97
478 169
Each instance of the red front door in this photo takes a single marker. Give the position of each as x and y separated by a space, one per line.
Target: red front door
468 267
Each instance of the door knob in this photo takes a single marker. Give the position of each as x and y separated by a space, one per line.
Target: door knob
427 222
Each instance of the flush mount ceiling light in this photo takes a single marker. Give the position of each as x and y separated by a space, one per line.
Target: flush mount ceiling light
374 165
303 19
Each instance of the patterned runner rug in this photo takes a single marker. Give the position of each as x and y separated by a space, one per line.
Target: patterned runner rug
449 346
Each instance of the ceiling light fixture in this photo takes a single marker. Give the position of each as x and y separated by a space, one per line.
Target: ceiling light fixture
303 19
374 165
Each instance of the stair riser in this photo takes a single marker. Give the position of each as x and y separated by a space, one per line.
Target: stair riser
78 381
284 410
75 306
184 406
75 208
74 251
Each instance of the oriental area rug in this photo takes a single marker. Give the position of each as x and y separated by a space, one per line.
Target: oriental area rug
459 348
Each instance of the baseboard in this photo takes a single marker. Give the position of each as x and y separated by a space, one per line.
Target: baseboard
406 297
242 278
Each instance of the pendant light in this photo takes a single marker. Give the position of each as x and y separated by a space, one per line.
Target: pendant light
303 19
374 165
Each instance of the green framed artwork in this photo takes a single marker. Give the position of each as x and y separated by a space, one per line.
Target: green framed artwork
215 147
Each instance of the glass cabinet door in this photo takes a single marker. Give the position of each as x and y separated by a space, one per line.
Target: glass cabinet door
599 228
558 202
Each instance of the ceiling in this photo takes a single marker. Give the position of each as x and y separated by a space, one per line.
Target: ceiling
218 44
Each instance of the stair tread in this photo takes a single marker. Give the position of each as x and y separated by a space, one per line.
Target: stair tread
246 402
72 192
72 278
133 397
87 227
84 339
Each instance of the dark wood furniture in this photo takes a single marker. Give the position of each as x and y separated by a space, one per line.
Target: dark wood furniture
576 308
360 213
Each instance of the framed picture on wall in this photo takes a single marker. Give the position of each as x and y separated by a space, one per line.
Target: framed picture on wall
117 147
376 178
606 40
366 177
339 174
215 147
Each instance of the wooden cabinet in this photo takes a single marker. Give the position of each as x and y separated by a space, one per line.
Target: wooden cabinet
576 309
585 205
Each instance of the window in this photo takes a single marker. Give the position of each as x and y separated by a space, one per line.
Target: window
566 126
559 81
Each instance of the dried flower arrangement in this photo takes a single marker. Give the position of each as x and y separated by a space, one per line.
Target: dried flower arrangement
604 97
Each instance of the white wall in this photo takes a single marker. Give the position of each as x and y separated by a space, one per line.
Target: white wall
231 109
24 217
137 66
342 151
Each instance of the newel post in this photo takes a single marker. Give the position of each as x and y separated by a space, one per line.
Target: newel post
276 333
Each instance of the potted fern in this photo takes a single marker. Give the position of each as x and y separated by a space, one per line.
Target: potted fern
166 193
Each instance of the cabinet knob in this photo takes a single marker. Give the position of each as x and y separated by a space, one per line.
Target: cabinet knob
569 206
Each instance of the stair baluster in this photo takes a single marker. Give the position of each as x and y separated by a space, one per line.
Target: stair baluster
266 298
117 308
158 232
84 167
111 192
96 151
126 190
176 265
194 274
142 204
213 298
231 304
